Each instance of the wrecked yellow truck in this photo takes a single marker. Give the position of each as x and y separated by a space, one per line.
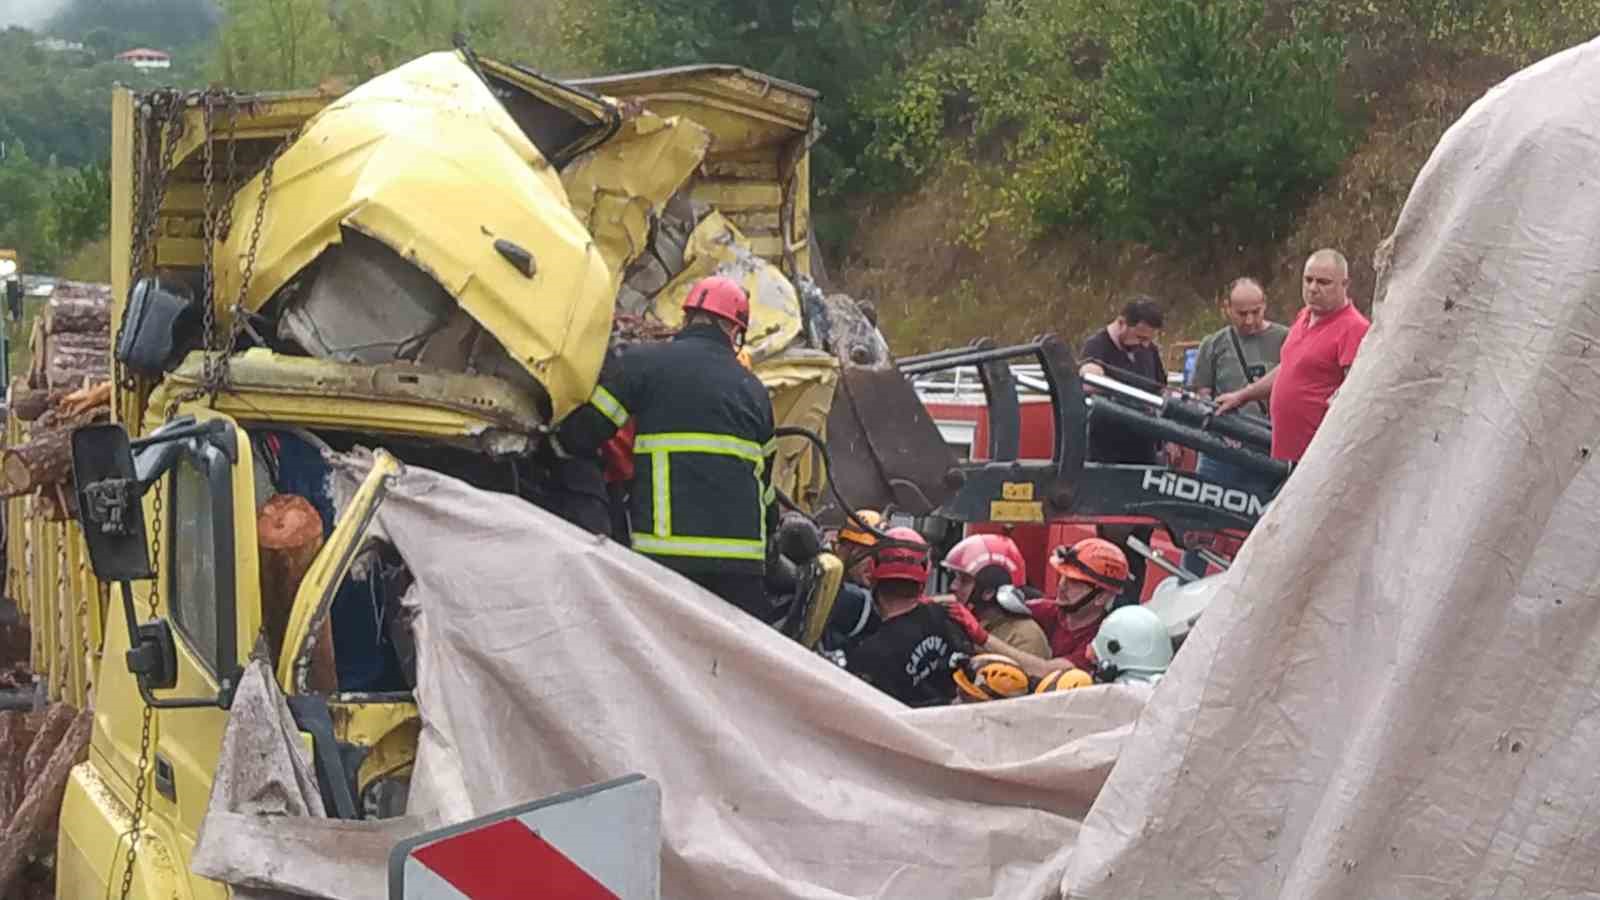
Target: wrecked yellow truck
433 265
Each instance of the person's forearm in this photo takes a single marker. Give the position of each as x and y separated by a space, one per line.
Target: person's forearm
1260 389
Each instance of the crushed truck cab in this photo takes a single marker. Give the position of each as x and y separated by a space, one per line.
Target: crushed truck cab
427 270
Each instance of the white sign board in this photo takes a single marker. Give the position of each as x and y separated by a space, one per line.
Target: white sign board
602 842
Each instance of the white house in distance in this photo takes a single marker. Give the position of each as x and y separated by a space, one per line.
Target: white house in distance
145 58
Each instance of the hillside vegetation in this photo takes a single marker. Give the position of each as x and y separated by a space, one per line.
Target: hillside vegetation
984 167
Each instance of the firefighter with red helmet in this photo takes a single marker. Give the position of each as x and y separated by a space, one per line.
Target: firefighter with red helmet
909 655
701 501
1093 573
990 574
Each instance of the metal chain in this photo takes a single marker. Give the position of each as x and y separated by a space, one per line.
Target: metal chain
248 268
63 623
208 315
143 238
141 784
162 110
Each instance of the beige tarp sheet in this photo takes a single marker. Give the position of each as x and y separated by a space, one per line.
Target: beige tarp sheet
1398 695
549 659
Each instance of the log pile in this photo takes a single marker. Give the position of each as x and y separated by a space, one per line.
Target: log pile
67 386
37 753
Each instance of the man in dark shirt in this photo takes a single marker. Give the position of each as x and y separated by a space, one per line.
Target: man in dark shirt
1129 343
908 655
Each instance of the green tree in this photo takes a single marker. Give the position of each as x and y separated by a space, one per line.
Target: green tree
80 206
852 51
24 208
1213 129
275 44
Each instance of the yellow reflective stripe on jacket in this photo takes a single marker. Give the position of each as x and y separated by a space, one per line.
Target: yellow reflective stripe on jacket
698 442
609 406
704 547
660 540
661 485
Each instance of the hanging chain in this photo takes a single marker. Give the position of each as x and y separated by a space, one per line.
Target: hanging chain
172 106
248 268
161 115
208 315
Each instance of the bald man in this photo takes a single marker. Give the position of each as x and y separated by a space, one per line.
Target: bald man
1315 359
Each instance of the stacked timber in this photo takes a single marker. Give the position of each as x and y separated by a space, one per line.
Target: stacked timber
67 386
37 753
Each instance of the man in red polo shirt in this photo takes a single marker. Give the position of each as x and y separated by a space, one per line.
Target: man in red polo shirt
1315 359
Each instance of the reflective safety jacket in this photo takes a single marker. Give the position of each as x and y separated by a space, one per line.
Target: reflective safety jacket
702 497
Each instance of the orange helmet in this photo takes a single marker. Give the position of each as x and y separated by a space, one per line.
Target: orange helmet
906 559
989 676
852 533
722 297
1093 561
1063 680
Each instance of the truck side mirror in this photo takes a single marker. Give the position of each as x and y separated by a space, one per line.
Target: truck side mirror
14 299
110 488
108 503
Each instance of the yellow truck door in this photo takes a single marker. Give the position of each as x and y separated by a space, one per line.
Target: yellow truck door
212 580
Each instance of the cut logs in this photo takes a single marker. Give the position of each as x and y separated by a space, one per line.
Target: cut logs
27 403
31 829
68 386
77 308
289 535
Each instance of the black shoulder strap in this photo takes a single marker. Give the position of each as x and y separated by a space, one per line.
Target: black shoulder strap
1244 364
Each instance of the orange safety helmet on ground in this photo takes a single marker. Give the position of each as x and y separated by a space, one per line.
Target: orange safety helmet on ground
1093 561
722 297
904 558
980 552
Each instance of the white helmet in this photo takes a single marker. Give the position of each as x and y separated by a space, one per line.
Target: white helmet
1133 645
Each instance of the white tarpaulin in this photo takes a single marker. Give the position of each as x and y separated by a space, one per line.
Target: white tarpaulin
1398 692
550 659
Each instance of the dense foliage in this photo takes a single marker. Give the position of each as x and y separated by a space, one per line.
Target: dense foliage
1187 124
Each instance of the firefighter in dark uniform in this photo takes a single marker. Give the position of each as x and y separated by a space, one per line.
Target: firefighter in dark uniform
701 501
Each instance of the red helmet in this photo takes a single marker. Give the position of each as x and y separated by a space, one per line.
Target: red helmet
980 552
722 297
898 562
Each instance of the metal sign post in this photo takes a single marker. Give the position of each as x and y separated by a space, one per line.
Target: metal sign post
601 842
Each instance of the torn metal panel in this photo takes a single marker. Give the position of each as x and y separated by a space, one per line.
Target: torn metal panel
425 160
718 248
801 383
619 188
393 398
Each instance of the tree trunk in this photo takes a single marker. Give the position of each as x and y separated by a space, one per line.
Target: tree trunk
74 360
14 740
42 460
79 314
289 534
56 721
36 355
32 829
28 403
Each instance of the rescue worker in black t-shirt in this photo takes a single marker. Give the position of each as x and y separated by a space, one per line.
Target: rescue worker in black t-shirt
908 655
701 502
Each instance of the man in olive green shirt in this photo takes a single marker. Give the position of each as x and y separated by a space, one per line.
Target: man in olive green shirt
1219 369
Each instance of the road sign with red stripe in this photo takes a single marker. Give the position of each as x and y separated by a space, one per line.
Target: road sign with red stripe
602 842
